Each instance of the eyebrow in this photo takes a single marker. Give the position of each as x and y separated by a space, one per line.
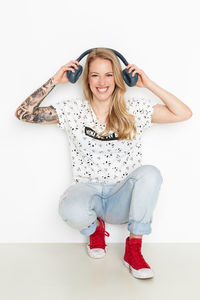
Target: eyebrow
98 73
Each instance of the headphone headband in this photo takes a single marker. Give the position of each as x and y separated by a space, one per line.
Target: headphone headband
116 52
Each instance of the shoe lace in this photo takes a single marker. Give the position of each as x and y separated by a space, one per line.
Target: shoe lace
97 239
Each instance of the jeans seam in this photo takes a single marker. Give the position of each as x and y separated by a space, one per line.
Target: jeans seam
102 199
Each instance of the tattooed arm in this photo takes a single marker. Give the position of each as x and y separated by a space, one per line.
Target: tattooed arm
29 110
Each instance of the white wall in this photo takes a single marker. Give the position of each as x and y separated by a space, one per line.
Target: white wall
37 38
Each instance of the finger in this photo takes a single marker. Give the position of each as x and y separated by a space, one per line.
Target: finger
131 69
76 62
133 74
75 66
70 65
70 69
131 65
66 66
128 66
139 72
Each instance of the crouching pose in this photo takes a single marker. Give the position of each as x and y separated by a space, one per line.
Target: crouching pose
105 130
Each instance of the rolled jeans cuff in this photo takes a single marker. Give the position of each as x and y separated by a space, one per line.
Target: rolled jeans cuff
139 228
90 229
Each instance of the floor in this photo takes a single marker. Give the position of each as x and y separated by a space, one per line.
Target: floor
65 271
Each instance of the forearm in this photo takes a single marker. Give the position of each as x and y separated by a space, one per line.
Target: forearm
175 105
31 104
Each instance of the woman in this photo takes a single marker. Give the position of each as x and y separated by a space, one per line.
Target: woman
105 130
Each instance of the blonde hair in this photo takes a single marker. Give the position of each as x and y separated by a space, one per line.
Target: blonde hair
119 120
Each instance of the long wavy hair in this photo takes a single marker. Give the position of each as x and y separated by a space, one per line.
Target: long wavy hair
118 120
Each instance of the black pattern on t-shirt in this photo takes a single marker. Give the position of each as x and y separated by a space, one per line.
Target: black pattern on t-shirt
93 134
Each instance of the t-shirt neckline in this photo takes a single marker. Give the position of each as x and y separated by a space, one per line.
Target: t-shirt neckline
94 116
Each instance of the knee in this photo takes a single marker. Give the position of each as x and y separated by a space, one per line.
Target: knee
70 210
74 214
152 174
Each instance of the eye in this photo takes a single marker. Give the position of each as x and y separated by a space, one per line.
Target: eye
97 75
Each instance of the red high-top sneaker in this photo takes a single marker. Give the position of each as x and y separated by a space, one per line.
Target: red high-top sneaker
97 246
134 260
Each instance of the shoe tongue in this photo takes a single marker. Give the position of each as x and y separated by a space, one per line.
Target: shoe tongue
99 228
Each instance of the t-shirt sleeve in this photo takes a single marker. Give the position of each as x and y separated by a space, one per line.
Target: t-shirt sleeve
142 109
61 109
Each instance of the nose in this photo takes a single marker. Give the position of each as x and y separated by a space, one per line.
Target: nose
102 82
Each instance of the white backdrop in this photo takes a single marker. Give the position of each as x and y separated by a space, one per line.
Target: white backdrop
37 38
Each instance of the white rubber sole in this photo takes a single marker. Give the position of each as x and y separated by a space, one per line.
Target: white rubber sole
96 252
141 274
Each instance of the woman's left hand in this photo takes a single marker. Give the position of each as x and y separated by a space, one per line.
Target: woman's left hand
143 79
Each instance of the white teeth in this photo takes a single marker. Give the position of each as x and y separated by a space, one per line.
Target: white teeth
102 90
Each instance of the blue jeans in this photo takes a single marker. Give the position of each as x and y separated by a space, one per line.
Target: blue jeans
131 201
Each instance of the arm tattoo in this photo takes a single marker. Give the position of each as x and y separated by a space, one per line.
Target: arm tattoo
42 115
29 109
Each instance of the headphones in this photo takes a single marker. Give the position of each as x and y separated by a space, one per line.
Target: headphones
130 81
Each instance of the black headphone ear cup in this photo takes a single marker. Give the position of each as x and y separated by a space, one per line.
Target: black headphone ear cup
74 76
130 81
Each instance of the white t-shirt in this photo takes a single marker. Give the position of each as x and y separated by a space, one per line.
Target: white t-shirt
102 159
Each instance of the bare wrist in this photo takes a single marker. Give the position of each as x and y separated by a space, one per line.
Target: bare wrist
54 81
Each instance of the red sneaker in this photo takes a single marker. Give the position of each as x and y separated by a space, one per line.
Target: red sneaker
97 246
134 260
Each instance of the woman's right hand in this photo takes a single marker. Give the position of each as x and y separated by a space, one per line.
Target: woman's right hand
61 75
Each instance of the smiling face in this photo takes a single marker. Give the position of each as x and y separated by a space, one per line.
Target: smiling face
101 79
